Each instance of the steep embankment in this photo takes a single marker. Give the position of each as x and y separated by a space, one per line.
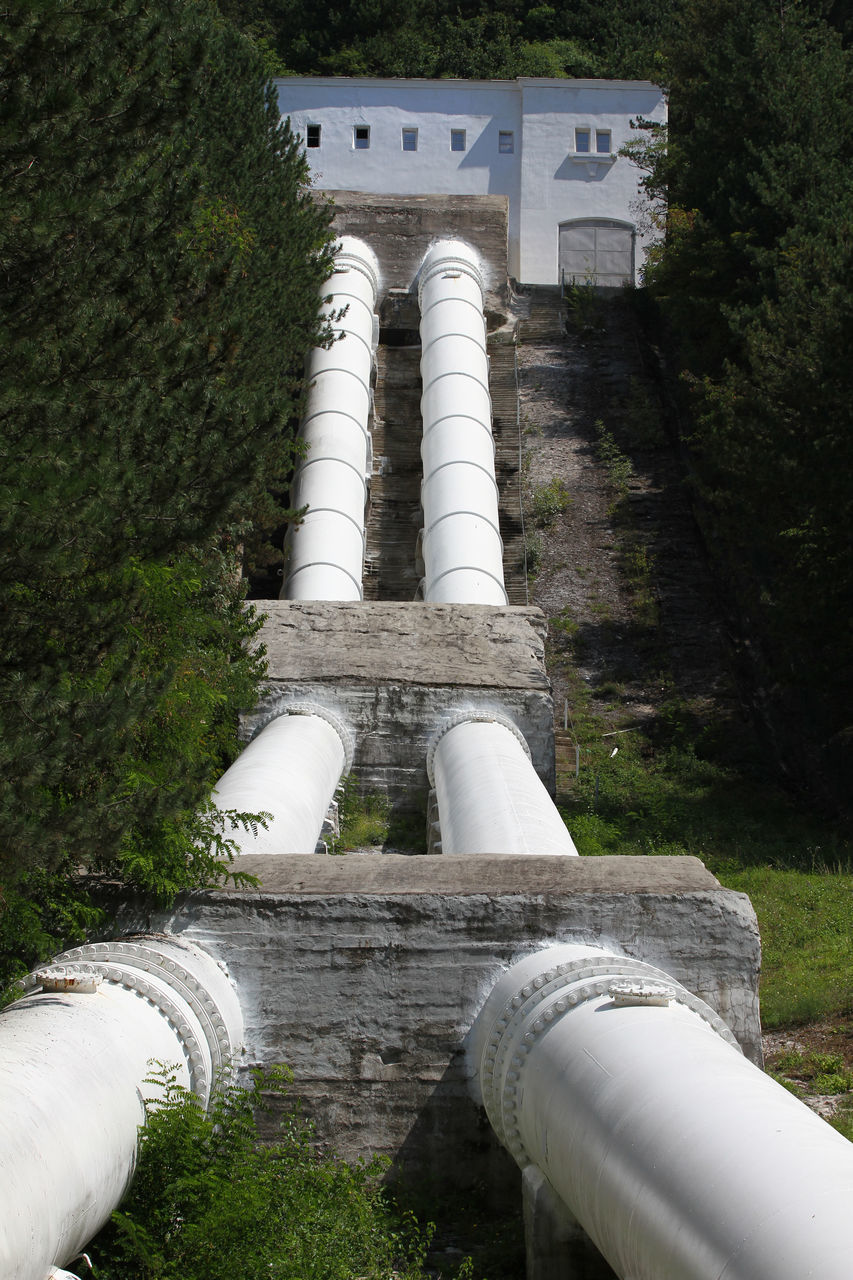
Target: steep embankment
639 661
616 562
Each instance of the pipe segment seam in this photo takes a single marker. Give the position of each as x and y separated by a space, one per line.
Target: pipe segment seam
450 263
456 373
323 713
461 511
340 413
461 462
329 564
468 568
125 964
347 260
335 511
472 716
339 368
513 1034
469 417
342 462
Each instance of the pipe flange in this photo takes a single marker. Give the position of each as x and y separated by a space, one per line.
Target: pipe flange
454 257
136 956
173 1010
312 709
355 255
515 1032
475 716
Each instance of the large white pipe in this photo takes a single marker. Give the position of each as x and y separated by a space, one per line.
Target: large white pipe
76 1053
461 543
289 771
490 798
679 1158
324 553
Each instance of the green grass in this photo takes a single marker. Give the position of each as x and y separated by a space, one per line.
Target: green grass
683 786
806 924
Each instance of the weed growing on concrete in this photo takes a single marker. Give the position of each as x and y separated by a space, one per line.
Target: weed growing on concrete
364 818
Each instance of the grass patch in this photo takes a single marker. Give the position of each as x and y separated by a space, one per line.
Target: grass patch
806 923
672 788
364 819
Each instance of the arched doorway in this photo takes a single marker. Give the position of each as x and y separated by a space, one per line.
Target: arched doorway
597 251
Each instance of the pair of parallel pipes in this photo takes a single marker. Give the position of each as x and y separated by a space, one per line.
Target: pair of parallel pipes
679 1158
490 798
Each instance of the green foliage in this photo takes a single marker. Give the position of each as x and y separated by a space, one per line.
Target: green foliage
161 263
549 501
437 38
210 1202
754 283
617 465
685 785
364 819
37 916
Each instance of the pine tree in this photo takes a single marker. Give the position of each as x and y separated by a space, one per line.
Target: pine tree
756 280
160 261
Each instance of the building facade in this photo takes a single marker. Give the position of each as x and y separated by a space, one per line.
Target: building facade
551 147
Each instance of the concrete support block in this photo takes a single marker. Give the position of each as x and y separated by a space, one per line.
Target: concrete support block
365 973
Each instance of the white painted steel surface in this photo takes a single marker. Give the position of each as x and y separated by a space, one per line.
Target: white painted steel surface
290 771
461 542
73 1067
324 554
678 1157
490 798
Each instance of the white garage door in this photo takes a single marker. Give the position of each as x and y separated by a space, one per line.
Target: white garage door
597 251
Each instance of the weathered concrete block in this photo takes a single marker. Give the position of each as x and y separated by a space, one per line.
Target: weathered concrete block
365 973
400 229
396 671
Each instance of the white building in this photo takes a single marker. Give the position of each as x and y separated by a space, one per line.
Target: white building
550 146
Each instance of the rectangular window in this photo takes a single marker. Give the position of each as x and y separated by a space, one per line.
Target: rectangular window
506 142
582 140
457 139
410 139
602 142
312 135
361 136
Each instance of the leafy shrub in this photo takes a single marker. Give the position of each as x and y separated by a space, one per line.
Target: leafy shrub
208 1202
549 501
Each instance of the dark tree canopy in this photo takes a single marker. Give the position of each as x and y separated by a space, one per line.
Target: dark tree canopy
756 280
160 262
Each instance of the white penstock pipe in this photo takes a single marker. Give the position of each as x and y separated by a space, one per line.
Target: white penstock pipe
289 771
679 1158
76 1054
490 798
324 552
461 543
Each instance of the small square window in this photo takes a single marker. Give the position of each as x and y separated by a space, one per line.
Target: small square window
457 139
410 139
582 140
602 142
361 136
312 135
506 142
